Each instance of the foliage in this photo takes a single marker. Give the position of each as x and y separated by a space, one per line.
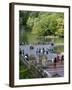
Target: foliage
37 24
46 25
27 73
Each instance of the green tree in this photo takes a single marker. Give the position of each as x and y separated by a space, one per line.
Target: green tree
45 25
60 27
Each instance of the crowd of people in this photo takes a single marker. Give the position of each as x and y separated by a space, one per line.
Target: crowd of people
43 51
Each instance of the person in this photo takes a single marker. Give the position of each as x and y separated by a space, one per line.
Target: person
20 52
43 50
58 59
23 52
46 51
62 58
26 57
37 51
55 61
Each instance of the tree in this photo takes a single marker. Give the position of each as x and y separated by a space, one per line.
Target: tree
31 19
60 27
45 25
23 18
